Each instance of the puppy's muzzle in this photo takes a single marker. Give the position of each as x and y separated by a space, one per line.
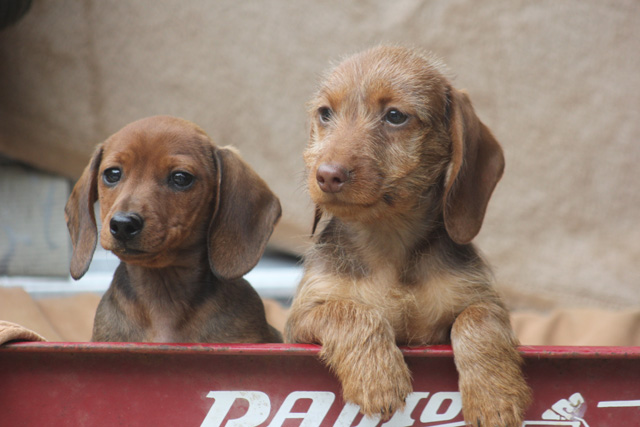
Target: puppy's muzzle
124 226
331 177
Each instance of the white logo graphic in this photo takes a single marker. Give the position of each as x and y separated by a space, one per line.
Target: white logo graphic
441 408
565 412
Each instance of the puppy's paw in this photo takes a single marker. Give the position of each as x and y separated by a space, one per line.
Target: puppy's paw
494 416
492 403
378 382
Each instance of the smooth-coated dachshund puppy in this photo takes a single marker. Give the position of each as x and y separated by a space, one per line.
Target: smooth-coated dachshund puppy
187 219
402 169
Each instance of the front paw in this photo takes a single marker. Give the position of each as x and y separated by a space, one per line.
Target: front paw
378 382
491 403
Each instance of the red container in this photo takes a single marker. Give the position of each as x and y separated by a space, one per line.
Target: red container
107 384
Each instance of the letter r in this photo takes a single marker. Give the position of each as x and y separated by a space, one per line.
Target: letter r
259 408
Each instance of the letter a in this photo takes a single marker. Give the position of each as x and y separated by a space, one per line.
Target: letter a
321 401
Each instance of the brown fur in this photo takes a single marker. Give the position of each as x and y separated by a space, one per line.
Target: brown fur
180 276
393 265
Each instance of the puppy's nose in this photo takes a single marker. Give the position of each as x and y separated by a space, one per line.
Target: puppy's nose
331 177
125 226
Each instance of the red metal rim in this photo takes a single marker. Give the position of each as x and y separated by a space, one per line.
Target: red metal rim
528 352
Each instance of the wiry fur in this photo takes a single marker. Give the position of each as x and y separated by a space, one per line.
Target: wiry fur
393 264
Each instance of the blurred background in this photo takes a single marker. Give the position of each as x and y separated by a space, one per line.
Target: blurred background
557 82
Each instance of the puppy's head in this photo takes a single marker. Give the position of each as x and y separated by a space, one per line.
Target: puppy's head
390 134
167 196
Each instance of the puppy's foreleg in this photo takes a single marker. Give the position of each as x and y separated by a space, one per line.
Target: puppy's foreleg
358 345
494 392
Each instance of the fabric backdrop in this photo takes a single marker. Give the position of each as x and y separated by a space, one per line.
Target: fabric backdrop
557 82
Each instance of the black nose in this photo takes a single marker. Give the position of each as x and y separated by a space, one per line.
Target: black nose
331 177
125 226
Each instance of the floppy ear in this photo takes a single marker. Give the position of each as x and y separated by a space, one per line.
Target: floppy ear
80 216
476 166
246 213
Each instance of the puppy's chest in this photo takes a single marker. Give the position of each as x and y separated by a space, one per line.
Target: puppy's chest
421 311
164 326
166 321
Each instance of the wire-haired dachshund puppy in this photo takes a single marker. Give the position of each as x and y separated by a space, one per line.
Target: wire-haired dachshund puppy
403 168
187 219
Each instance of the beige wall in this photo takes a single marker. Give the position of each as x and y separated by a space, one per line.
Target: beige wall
557 81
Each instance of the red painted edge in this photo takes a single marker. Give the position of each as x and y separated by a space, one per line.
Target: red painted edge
528 352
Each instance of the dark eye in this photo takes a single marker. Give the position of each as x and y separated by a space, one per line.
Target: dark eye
395 117
325 114
181 180
111 176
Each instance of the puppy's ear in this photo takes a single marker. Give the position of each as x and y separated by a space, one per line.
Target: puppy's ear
80 217
476 166
246 213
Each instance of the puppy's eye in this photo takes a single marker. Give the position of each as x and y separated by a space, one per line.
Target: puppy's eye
395 117
181 180
111 175
325 114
